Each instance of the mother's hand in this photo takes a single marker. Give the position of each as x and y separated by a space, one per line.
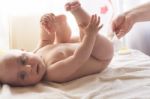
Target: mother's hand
122 24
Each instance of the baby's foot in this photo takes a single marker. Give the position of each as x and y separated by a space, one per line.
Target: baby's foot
72 6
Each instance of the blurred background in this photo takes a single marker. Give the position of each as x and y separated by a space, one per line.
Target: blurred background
19 21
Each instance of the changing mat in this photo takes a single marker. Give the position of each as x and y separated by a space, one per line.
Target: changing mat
127 77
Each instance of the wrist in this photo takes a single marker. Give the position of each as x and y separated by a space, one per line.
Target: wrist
131 17
135 15
90 33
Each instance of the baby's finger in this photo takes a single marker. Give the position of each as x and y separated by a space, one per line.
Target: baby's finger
100 26
94 18
98 21
43 23
52 17
42 19
91 21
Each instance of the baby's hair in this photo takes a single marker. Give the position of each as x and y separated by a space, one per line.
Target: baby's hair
1 83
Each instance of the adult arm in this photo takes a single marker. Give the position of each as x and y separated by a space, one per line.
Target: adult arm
124 22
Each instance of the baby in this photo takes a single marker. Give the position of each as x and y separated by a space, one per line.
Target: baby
59 58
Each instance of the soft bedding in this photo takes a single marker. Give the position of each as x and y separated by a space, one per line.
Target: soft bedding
127 77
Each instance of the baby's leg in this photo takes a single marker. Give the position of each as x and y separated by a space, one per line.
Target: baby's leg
63 31
81 17
55 29
103 48
102 52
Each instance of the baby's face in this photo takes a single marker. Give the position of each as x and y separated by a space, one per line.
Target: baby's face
22 68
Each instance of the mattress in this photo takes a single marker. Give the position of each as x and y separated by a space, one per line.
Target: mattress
127 77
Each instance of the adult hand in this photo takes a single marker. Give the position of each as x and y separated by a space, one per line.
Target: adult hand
122 24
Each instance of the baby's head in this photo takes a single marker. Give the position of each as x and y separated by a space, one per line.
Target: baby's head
20 68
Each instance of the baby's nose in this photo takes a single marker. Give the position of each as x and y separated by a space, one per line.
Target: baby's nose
28 68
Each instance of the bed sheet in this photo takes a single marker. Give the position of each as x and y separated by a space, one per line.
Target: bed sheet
127 77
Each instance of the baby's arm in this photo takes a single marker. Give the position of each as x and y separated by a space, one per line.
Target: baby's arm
62 70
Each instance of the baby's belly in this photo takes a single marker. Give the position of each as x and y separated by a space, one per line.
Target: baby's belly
53 54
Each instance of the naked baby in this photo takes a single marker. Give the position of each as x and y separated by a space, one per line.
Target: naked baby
58 57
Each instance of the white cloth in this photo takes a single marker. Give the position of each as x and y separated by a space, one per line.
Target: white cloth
127 77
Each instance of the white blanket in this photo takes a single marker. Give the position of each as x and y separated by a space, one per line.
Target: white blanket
127 77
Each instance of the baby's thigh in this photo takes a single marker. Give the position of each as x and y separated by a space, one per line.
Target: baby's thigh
92 66
63 37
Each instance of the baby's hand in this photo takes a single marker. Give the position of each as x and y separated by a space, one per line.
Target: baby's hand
93 27
48 23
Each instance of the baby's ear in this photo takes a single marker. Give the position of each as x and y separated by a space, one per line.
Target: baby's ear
22 49
1 83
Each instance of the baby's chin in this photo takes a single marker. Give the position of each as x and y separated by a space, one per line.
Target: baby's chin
42 66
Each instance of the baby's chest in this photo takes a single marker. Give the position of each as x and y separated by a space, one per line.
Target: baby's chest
57 55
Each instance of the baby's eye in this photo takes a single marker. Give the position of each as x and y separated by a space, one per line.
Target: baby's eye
23 60
22 75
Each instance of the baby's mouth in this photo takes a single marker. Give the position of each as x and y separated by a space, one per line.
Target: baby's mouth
37 69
